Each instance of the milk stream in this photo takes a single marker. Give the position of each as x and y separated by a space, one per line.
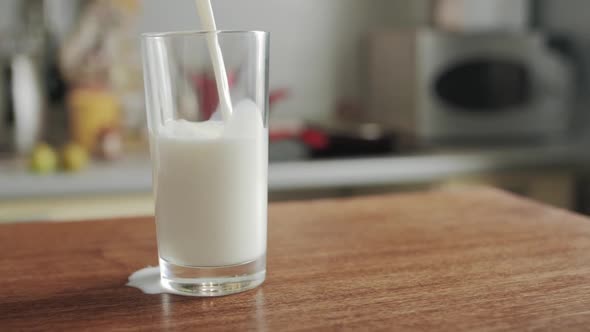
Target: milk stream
205 11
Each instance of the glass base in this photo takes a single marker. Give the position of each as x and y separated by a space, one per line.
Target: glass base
212 281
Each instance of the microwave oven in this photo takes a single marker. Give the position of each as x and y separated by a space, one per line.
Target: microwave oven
438 86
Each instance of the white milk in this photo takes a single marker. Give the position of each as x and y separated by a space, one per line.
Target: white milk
205 11
211 179
148 281
211 189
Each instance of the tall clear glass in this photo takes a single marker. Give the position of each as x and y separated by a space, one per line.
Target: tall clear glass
209 168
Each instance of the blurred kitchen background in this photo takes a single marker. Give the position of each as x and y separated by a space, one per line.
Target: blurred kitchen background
367 97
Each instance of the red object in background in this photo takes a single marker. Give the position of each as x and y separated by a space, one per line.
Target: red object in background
209 98
315 139
207 90
312 138
278 95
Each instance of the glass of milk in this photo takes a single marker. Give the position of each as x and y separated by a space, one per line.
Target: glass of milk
207 106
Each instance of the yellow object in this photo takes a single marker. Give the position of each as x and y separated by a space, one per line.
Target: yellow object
74 157
92 110
131 6
43 159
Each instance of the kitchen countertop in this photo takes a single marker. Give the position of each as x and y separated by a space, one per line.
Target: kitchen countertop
133 173
463 259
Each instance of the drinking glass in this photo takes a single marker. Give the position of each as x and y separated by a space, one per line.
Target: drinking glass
209 171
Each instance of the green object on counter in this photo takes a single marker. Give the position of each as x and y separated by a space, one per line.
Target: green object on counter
74 157
44 159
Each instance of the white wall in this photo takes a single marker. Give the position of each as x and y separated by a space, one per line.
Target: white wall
483 15
315 44
7 14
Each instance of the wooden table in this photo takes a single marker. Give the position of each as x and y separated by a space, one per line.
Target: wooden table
447 260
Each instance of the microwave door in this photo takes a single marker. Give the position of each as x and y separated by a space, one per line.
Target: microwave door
485 86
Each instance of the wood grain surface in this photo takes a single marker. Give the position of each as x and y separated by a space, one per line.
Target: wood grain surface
478 260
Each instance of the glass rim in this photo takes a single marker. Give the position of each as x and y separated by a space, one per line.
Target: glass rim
195 33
